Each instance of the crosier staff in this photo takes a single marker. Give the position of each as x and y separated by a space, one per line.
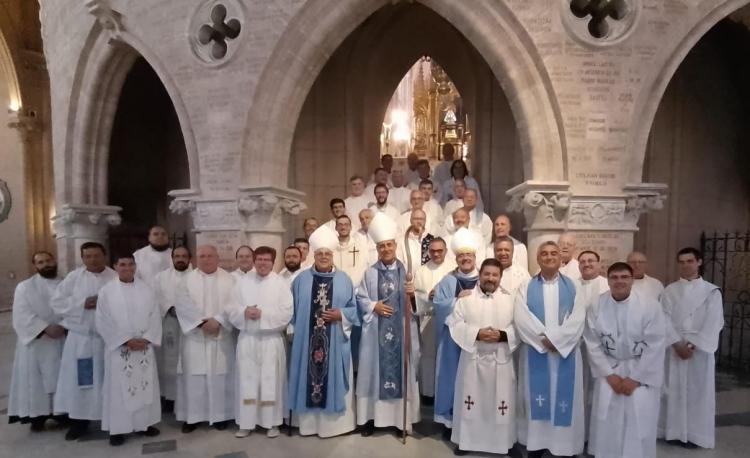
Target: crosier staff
408 296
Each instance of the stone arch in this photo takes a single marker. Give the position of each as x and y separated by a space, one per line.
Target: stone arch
8 70
320 27
101 74
651 96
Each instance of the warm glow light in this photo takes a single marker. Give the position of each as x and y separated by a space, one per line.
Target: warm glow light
400 126
14 106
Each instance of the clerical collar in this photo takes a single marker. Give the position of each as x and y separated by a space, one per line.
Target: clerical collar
127 283
314 269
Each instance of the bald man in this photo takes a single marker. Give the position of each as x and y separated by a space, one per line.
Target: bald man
644 286
502 228
205 384
568 251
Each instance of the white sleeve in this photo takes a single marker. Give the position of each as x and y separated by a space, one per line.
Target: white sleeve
528 327
464 334
27 324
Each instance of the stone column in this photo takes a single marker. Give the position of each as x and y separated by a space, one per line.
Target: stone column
605 224
75 224
255 217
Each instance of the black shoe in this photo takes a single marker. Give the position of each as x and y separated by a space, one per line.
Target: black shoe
458 452
188 428
688 445
222 425
37 424
151 432
368 429
428 400
116 440
447 433
61 420
515 452
536 453
77 429
167 405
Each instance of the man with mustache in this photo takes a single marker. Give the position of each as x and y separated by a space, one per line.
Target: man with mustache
292 264
168 283
484 406
154 257
512 275
39 346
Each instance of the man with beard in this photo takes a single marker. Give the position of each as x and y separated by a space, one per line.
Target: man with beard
205 380
512 276
380 176
427 277
261 308
414 249
502 228
154 257
349 255
39 345
321 382
381 204
292 261
338 208
244 258
304 248
127 318
549 318
458 283
79 385
485 403
168 283
381 298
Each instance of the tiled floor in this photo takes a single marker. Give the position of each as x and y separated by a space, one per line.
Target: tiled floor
733 434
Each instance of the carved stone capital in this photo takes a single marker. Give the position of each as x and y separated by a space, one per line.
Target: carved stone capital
598 213
545 205
643 197
108 18
262 208
80 221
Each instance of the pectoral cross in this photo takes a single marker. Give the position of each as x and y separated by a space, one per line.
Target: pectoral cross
563 406
540 400
354 252
502 408
469 403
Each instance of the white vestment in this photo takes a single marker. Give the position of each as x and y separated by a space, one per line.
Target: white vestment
566 337
37 359
205 372
351 258
415 249
354 205
149 262
168 283
648 287
479 222
571 269
238 273
389 210
435 211
442 173
695 314
451 206
289 276
404 223
625 338
390 412
130 392
80 395
399 198
371 251
513 277
261 354
520 254
426 278
485 401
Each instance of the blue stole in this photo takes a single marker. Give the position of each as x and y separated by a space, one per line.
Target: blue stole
320 358
539 376
446 293
390 331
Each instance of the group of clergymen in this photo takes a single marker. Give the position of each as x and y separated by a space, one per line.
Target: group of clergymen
550 361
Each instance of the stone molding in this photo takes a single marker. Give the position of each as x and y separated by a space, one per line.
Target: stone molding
641 198
545 205
85 221
254 209
25 122
108 18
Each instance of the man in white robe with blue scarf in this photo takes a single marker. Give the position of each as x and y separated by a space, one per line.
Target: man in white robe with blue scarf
549 318
458 283
321 381
381 298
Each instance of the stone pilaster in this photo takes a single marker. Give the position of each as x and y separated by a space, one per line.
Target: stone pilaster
605 224
75 224
255 216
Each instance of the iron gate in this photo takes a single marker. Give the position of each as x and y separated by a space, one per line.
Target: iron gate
726 263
